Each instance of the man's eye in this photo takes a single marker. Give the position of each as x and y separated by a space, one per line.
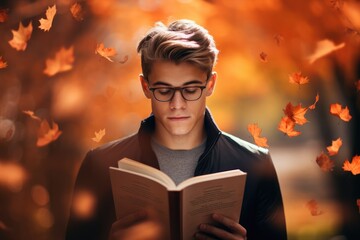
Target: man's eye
165 91
190 90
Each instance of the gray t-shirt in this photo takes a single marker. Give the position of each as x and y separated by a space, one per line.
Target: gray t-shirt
178 164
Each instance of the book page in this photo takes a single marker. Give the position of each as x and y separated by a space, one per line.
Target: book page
134 192
141 168
202 199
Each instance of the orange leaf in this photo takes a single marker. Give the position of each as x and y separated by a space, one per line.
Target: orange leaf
255 132
296 113
314 104
47 134
3 64
124 60
286 125
278 39
358 203
354 166
342 113
324 162
32 115
3 15
45 24
105 52
357 85
313 207
77 12
21 36
297 78
263 57
323 48
99 135
334 148
62 62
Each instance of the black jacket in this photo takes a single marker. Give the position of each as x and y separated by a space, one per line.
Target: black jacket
262 210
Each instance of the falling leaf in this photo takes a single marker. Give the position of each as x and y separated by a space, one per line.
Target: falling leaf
47 134
3 64
105 52
342 113
77 12
7 129
83 204
99 135
298 78
352 31
45 24
357 85
354 166
358 203
337 4
278 39
255 131
3 15
312 106
263 57
32 115
286 126
126 57
296 113
324 162
313 207
21 36
62 62
335 146
323 48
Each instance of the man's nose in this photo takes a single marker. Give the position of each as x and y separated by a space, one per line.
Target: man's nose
177 102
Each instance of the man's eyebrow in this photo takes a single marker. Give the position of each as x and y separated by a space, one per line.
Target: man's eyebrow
158 83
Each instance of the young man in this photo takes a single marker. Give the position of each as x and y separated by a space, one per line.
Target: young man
181 139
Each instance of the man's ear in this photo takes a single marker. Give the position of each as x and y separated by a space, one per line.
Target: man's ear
145 86
211 84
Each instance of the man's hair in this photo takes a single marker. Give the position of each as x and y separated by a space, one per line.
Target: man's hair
181 41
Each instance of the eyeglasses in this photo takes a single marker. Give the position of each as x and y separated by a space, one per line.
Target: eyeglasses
166 94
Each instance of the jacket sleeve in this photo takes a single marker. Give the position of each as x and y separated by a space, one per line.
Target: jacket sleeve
269 215
90 223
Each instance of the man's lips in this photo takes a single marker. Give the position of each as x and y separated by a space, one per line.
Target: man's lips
178 118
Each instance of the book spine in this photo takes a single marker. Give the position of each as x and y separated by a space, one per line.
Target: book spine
175 221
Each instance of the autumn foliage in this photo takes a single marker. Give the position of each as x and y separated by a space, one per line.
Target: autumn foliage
313 208
255 132
45 24
342 113
353 166
21 37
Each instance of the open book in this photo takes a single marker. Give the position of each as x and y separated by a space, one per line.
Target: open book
180 208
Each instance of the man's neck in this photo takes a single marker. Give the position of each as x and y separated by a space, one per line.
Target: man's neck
181 142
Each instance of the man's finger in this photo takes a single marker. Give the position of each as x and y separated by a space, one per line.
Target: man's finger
230 224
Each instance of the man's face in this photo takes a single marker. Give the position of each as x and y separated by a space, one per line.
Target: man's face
178 117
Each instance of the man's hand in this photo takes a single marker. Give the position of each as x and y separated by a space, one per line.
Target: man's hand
228 230
136 226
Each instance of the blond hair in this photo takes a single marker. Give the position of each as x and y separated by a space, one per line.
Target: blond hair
181 41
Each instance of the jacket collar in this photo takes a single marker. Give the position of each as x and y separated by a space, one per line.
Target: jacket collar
147 128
